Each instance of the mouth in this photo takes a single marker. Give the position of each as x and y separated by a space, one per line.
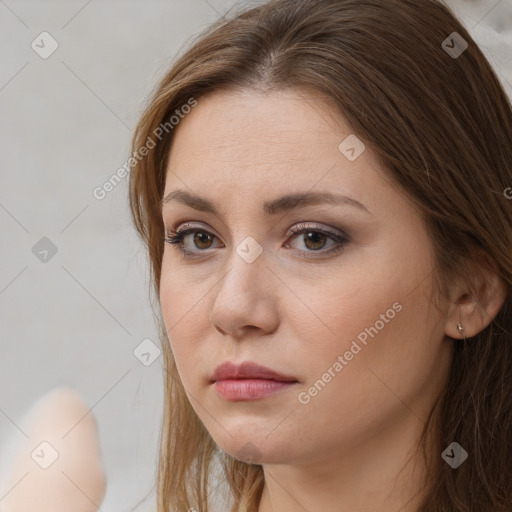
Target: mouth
249 381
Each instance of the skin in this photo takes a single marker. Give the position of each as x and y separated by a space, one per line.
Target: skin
74 479
352 447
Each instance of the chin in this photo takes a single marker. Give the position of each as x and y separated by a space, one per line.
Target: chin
253 449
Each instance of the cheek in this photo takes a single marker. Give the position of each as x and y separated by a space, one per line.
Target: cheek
385 351
378 317
336 310
182 300
354 389
183 315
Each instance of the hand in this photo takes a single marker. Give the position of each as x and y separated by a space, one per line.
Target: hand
58 468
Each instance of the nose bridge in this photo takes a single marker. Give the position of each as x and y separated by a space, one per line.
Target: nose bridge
244 296
247 269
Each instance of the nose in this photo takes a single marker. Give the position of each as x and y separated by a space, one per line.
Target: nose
246 299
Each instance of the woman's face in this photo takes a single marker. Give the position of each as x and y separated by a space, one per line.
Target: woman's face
343 309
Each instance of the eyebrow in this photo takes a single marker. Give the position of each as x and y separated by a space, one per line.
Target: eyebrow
281 204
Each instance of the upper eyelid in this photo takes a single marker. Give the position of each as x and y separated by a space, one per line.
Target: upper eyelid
313 226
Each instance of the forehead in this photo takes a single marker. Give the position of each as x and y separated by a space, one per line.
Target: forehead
279 126
241 148
252 137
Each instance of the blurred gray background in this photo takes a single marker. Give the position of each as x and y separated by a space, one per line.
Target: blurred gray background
74 301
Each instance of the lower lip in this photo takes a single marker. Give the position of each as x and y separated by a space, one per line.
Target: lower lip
249 389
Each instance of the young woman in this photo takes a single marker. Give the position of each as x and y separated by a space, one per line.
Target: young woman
324 190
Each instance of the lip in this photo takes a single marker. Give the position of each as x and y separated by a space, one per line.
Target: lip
248 381
248 370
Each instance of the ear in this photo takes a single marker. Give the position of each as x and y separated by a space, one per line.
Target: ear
475 304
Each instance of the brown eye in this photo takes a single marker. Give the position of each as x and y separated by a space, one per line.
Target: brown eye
315 240
202 239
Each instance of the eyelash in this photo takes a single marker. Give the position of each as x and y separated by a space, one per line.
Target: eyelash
176 237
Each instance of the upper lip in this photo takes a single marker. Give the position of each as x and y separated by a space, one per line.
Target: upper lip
248 370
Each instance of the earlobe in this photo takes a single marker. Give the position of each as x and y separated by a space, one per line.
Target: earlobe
475 304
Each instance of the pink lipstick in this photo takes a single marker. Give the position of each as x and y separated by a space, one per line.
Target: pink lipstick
248 381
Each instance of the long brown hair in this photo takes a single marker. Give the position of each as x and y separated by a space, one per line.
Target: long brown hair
441 125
